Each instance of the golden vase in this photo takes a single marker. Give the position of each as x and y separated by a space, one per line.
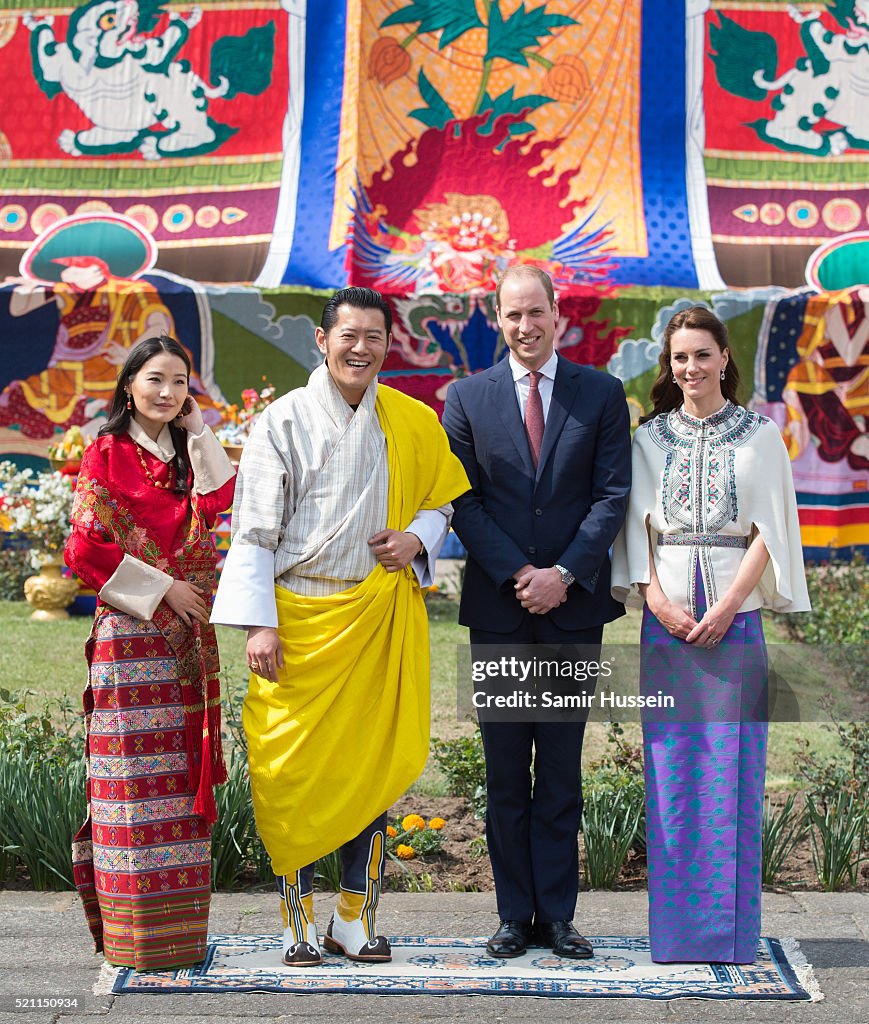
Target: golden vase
49 593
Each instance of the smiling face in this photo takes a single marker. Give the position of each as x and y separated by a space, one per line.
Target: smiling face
158 392
528 320
697 364
355 348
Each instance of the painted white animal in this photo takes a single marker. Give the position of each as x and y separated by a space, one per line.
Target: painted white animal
131 87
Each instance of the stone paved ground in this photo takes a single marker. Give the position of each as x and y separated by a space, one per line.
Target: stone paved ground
45 950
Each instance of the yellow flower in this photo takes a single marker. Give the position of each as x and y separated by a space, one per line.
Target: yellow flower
405 852
391 831
437 824
413 823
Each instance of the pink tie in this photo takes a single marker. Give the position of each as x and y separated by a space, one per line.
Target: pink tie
534 416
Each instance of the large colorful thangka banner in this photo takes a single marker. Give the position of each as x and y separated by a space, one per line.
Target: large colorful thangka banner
453 139
647 154
151 110
787 132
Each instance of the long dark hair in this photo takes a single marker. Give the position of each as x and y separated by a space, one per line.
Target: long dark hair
666 394
118 422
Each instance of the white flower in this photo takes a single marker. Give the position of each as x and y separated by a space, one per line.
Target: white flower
39 506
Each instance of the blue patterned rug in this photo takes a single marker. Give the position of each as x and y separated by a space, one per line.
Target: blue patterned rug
440 966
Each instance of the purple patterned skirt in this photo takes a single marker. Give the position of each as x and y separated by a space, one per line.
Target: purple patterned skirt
704 792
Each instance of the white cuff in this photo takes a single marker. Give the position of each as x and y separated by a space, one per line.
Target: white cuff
136 588
210 463
431 526
246 592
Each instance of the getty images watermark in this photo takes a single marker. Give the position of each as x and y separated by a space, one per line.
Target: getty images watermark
662 683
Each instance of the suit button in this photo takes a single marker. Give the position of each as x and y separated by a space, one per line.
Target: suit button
532 550
538 511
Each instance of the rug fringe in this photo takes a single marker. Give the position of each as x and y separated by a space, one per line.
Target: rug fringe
802 968
105 983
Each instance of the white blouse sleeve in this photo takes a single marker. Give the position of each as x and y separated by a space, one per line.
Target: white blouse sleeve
774 513
630 563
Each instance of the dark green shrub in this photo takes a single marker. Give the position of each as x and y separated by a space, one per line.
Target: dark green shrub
838 831
234 838
619 771
15 567
782 829
846 773
464 766
42 806
42 788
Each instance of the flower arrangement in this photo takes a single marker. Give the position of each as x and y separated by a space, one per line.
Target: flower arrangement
238 420
412 837
69 450
38 505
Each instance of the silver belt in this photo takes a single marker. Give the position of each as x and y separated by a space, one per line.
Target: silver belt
706 540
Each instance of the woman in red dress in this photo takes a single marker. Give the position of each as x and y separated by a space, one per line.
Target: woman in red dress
148 492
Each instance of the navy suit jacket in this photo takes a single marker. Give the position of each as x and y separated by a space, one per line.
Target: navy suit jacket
568 512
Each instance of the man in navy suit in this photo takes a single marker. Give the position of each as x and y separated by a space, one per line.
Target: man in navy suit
546 445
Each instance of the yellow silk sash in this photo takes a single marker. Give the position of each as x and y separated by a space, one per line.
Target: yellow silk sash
345 729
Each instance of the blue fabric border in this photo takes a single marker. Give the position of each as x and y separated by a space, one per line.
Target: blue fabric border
311 263
662 153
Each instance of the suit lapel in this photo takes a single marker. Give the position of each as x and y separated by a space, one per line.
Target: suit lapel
504 396
564 391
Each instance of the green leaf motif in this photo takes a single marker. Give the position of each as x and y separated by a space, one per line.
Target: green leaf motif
452 18
437 113
507 103
521 31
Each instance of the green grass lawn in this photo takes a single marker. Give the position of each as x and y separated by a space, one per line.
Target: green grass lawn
48 659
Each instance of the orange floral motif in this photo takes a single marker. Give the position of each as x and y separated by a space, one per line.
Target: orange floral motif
567 80
404 852
391 831
388 60
413 823
436 824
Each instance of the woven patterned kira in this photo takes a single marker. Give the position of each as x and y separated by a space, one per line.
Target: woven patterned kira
429 965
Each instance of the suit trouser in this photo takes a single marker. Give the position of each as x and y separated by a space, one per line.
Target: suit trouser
532 828
362 860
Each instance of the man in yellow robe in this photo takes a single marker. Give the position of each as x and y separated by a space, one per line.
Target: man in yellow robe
342 503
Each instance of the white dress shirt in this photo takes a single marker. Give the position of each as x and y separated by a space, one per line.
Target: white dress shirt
522 383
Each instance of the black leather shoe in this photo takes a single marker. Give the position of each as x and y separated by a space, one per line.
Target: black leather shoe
563 939
511 939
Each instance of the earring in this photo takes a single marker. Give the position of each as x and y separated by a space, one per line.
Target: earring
722 374
129 401
673 378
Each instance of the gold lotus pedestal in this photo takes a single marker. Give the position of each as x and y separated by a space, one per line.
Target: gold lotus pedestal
49 593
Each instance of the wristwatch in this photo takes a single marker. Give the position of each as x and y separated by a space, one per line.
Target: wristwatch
567 576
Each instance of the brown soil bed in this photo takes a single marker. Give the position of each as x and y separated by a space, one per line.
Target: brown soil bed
462 868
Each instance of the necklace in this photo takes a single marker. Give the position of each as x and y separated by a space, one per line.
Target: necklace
157 483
